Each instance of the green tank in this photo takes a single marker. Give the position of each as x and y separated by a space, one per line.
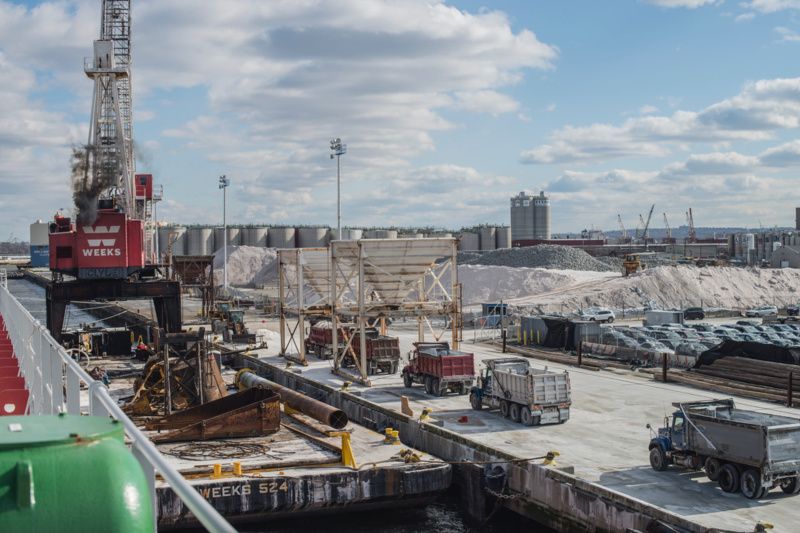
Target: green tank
70 473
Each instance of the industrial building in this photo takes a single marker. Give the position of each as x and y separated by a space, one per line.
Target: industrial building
40 244
530 217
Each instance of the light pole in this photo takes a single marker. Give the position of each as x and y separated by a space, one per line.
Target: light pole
223 184
337 150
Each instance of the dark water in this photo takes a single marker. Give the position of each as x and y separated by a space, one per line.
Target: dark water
31 296
443 516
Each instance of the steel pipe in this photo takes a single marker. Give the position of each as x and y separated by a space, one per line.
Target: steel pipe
336 418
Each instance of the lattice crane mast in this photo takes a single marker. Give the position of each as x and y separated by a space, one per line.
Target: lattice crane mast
112 236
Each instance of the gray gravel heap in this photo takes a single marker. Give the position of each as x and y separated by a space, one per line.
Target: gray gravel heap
540 256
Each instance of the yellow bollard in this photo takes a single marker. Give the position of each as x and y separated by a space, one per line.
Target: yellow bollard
524 338
425 416
217 470
345 386
237 468
550 458
348 459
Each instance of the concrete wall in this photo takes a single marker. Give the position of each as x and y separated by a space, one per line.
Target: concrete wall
551 497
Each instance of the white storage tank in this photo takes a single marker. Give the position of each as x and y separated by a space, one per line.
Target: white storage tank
469 242
234 236
381 234
488 238
504 237
200 241
313 237
281 237
254 236
349 234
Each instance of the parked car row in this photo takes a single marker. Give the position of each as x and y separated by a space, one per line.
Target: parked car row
694 339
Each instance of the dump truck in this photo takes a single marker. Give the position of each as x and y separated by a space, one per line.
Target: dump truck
320 339
383 352
439 368
741 450
523 393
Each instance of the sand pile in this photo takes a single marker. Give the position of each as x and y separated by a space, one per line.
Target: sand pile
541 256
677 287
248 266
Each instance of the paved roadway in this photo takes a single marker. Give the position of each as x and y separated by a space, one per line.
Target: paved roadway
605 438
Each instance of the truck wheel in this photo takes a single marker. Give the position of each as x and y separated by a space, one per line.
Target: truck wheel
428 385
513 412
729 478
791 485
438 387
658 459
750 483
475 402
463 389
712 468
408 381
504 408
525 416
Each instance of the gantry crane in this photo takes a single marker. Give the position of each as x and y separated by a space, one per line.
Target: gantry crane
108 249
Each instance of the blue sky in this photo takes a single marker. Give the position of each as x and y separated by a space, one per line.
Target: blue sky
447 108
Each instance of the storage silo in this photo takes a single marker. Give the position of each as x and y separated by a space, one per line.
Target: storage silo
40 244
541 217
177 235
382 234
194 238
469 242
503 237
254 236
234 236
488 238
350 234
281 237
312 237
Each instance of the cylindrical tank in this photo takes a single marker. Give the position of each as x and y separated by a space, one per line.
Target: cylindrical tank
469 242
200 241
381 234
488 238
254 236
61 469
349 234
313 237
504 237
234 236
219 239
40 233
541 216
281 237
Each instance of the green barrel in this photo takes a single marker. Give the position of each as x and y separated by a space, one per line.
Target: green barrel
70 473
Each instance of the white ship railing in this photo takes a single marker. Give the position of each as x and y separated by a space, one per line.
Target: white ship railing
54 381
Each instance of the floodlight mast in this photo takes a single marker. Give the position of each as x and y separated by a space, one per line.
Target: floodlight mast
223 184
337 150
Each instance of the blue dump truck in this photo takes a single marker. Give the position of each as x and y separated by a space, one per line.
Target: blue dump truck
742 450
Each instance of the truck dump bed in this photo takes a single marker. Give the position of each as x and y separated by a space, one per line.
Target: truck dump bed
528 385
445 363
719 429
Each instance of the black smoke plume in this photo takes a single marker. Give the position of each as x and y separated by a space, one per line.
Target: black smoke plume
88 183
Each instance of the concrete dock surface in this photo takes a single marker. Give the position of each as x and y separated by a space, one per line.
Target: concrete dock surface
605 439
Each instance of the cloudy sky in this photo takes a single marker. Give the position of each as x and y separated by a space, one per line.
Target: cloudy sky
447 108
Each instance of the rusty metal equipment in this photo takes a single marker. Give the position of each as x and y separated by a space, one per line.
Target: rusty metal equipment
335 418
248 413
196 275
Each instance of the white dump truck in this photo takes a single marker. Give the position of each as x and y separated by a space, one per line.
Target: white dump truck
523 393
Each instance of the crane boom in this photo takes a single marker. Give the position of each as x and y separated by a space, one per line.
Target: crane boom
622 227
666 225
690 221
647 224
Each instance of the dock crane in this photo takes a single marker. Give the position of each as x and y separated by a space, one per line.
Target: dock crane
109 248
668 239
645 235
690 221
622 228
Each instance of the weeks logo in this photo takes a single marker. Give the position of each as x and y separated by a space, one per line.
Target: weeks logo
95 249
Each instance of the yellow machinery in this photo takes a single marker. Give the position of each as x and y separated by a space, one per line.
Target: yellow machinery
632 262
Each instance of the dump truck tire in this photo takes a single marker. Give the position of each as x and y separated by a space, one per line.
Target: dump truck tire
525 416
514 412
791 486
408 381
438 387
504 409
475 402
658 459
750 484
428 385
729 478
712 468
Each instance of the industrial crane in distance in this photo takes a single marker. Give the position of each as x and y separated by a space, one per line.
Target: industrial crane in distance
109 247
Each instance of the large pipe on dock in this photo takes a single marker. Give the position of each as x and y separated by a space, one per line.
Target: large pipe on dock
336 418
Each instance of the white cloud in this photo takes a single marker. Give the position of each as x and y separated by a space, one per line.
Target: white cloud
744 17
787 35
771 6
691 4
491 102
647 109
756 113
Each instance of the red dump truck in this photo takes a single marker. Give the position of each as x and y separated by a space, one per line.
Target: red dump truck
439 368
383 352
320 339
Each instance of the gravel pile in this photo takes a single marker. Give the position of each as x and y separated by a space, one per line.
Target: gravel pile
540 256
248 266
